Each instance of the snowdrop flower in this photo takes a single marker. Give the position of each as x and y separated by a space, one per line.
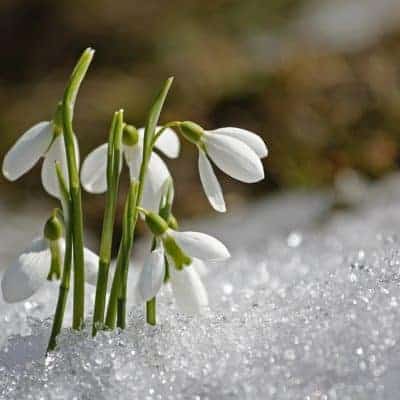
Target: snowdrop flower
45 140
94 168
235 151
34 265
182 250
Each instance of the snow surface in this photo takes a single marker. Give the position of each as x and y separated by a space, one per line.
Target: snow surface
308 308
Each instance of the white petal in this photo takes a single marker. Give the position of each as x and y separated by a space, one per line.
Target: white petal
210 183
55 153
234 157
151 276
153 189
91 266
168 143
94 170
134 296
27 151
200 245
189 292
200 267
28 273
133 157
252 140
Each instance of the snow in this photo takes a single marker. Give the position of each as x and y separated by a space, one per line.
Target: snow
308 308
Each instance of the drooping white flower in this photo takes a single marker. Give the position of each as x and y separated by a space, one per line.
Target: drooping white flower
237 152
189 292
94 175
187 287
29 272
37 142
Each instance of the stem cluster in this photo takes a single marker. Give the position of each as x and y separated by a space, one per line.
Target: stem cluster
73 216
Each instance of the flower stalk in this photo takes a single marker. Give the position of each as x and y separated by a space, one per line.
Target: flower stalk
117 302
113 173
122 259
68 104
151 311
165 213
66 274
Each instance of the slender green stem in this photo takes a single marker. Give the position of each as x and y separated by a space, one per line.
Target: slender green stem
166 277
118 294
122 258
162 130
74 186
165 212
111 314
132 215
151 304
55 266
151 311
62 295
113 173
66 275
148 141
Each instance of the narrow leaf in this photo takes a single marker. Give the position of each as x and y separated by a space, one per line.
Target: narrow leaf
154 114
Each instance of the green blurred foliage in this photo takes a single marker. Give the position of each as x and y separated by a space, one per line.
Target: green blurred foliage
319 112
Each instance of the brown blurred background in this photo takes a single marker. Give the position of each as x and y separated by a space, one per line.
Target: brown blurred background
319 80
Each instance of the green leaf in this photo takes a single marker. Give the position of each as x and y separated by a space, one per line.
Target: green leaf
154 114
114 145
77 76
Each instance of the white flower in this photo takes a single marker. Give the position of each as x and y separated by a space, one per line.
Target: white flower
187 287
94 176
235 151
29 272
38 141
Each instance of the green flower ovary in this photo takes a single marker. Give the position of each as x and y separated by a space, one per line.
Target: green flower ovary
191 131
53 229
130 136
176 253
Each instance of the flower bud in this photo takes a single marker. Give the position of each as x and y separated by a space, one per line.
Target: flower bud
53 228
156 224
191 131
176 253
130 136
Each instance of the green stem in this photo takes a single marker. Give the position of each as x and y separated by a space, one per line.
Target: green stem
62 295
161 131
151 311
66 275
113 162
74 184
164 212
122 293
119 288
114 304
111 314
151 304
121 313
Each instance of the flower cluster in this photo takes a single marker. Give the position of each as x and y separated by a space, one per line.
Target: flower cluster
176 258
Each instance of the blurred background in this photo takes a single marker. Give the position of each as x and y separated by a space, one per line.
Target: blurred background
319 80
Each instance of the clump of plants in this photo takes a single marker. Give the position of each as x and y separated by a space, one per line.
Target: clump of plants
175 257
